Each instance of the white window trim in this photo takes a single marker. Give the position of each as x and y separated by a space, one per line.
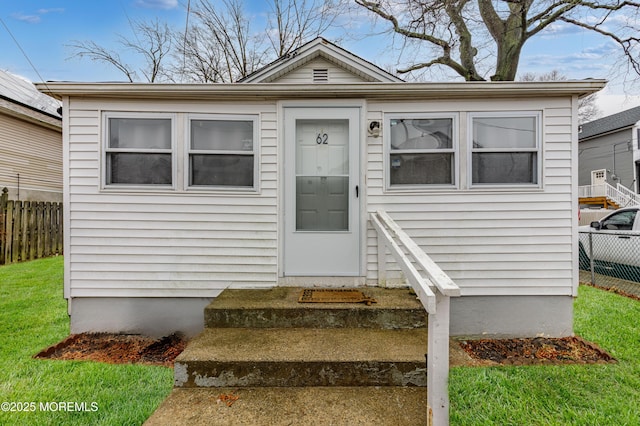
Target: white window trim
537 150
454 150
255 152
106 115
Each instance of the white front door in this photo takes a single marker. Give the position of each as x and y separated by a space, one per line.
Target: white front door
321 197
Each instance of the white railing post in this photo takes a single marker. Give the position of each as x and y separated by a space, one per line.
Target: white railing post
382 261
434 292
438 363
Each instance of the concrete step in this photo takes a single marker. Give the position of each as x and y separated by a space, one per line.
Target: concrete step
294 406
229 357
279 308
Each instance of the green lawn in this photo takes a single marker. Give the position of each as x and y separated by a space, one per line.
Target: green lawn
562 395
33 316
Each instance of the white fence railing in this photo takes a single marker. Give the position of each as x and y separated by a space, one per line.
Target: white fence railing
632 197
620 195
434 291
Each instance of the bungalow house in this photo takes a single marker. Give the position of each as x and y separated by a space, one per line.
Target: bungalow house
30 141
175 192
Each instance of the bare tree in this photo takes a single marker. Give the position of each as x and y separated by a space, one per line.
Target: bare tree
229 28
457 31
587 108
223 46
198 58
294 22
151 42
222 42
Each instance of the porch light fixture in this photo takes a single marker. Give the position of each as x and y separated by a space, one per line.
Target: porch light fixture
374 129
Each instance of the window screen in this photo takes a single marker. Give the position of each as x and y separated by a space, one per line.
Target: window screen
505 150
421 152
222 153
138 151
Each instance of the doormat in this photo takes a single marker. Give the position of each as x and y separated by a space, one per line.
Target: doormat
341 295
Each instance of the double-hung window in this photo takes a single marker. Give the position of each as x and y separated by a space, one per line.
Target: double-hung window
138 150
421 151
505 148
222 152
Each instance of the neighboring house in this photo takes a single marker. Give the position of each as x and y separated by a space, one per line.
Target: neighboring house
30 141
178 191
609 150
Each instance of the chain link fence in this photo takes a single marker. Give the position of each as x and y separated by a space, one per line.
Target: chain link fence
610 259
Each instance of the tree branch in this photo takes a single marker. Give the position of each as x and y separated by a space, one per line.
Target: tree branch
465 69
98 53
627 44
375 8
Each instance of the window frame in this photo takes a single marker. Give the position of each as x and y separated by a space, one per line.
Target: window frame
454 150
255 152
106 150
537 150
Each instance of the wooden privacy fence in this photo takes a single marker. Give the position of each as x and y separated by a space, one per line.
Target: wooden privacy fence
29 229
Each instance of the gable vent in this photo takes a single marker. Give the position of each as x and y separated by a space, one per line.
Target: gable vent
320 75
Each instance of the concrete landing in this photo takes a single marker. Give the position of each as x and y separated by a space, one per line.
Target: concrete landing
279 307
337 406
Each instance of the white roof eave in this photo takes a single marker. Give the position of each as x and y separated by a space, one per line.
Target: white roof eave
270 91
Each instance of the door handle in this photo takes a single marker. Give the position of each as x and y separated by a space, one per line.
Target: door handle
357 192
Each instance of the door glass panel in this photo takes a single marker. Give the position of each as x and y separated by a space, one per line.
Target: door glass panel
322 175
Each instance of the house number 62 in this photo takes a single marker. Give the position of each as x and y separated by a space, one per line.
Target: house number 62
322 139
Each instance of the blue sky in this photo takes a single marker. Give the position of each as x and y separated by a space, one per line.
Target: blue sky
44 28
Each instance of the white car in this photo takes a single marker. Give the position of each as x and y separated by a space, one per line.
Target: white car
616 244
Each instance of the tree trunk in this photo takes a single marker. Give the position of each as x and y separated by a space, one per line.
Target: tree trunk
509 34
509 50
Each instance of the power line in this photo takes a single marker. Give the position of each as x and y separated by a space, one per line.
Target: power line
186 30
24 53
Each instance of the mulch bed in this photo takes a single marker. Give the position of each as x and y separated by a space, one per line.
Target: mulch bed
136 349
117 349
538 350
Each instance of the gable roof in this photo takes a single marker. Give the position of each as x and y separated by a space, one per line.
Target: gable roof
322 48
610 123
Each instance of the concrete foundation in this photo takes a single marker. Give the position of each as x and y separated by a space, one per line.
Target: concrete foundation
485 316
512 316
153 317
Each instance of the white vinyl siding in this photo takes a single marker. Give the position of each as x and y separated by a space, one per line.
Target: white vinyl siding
172 242
183 243
513 241
30 159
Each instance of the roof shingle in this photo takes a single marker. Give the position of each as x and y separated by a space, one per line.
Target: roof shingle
610 123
